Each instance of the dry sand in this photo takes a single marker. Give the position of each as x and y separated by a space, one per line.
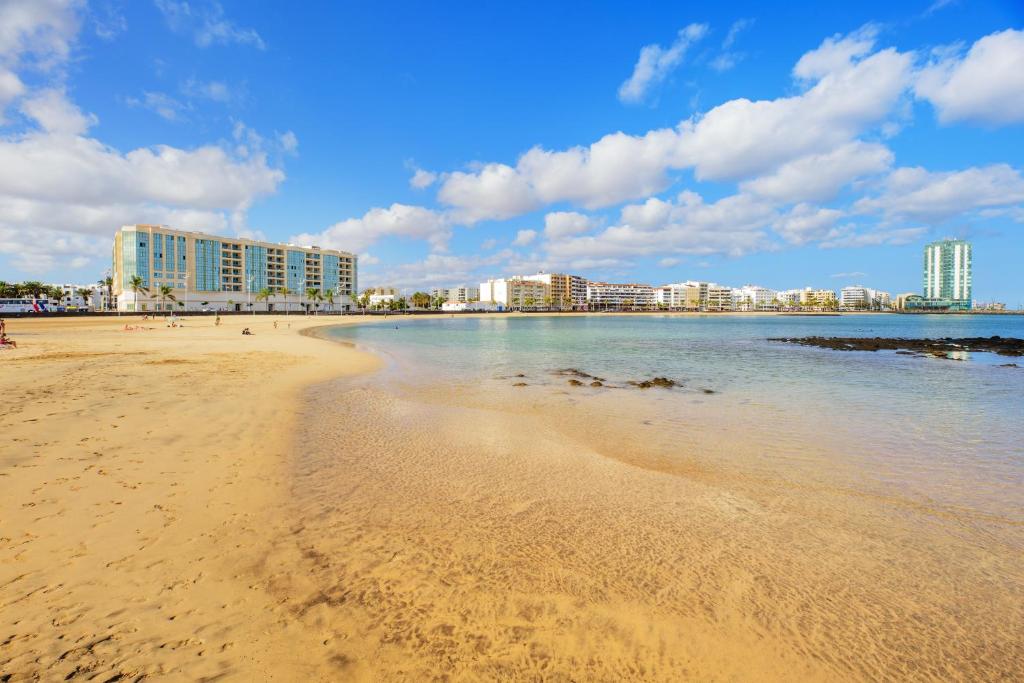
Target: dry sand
196 504
142 475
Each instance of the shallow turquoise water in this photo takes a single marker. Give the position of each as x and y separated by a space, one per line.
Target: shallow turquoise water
899 418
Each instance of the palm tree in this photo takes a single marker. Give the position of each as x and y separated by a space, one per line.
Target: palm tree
420 299
85 293
529 302
137 284
264 295
108 282
312 293
330 299
548 301
284 291
364 301
166 292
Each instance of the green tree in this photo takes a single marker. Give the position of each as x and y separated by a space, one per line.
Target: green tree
548 301
421 300
438 301
137 284
364 301
529 302
312 293
85 293
166 293
329 296
284 292
108 282
264 295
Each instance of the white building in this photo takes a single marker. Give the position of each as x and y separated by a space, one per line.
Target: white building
859 297
567 291
381 300
73 299
680 295
515 292
753 298
611 295
461 293
719 298
461 306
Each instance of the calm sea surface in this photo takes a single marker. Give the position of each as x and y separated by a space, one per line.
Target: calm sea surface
949 430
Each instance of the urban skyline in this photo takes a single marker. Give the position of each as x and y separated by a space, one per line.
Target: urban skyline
642 144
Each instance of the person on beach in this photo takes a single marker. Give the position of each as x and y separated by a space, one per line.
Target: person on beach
275 324
246 332
216 322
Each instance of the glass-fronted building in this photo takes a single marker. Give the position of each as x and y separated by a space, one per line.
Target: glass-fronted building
221 273
947 272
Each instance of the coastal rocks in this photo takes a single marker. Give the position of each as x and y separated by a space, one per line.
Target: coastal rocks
519 384
663 382
578 374
597 383
575 383
939 348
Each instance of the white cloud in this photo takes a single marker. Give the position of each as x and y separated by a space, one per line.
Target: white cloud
368 259
164 105
851 275
206 22
215 91
488 244
819 177
560 224
729 58
847 237
34 34
524 237
918 194
805 223
52 111
289 142
738 139
734 225
836 53
422 179
656 63
496 191
669 262
398 220
986 85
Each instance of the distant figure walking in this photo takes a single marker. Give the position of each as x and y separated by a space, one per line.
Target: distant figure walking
275 324
216 322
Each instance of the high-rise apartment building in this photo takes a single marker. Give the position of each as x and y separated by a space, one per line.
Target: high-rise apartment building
947 271
226 273
567 291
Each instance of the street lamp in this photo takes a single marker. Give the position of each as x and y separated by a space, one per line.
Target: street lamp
252 276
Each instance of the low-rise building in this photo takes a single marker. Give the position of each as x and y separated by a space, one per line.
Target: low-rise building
460 293
603 295
567 291
515 292
468 306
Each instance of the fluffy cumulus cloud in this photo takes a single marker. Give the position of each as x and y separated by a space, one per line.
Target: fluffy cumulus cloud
734 225
847 90
63 191
656 63
398 220
805 223
560 224
986 85
422 179
524 237
35 34
819 177
921 195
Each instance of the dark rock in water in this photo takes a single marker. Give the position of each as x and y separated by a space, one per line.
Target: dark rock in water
663 382
575 383
573 372
520 375
1009 365
708 391
519 384
597 383
940 348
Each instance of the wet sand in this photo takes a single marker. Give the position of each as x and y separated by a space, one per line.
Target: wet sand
197 504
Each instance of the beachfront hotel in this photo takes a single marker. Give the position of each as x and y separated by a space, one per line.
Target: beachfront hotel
947 273
207 272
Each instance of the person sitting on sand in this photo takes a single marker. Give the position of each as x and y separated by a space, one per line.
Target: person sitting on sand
246 331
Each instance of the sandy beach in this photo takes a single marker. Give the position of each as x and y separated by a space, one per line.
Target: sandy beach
197 504
143 474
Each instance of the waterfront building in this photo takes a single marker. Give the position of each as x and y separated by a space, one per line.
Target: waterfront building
381 300
679 296
947 272
72 299
719 298
225 273
461 293
815 298
859 297
516 292
468 306
610 295
567 291
754 298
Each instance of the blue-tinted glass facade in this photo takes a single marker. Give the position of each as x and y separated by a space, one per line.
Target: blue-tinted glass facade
207 275
158 253
134 257
182 256
330 273
255 267
295 270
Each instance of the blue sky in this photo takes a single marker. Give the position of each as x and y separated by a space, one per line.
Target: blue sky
805 144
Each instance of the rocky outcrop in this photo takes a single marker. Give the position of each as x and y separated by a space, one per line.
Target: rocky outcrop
940 348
